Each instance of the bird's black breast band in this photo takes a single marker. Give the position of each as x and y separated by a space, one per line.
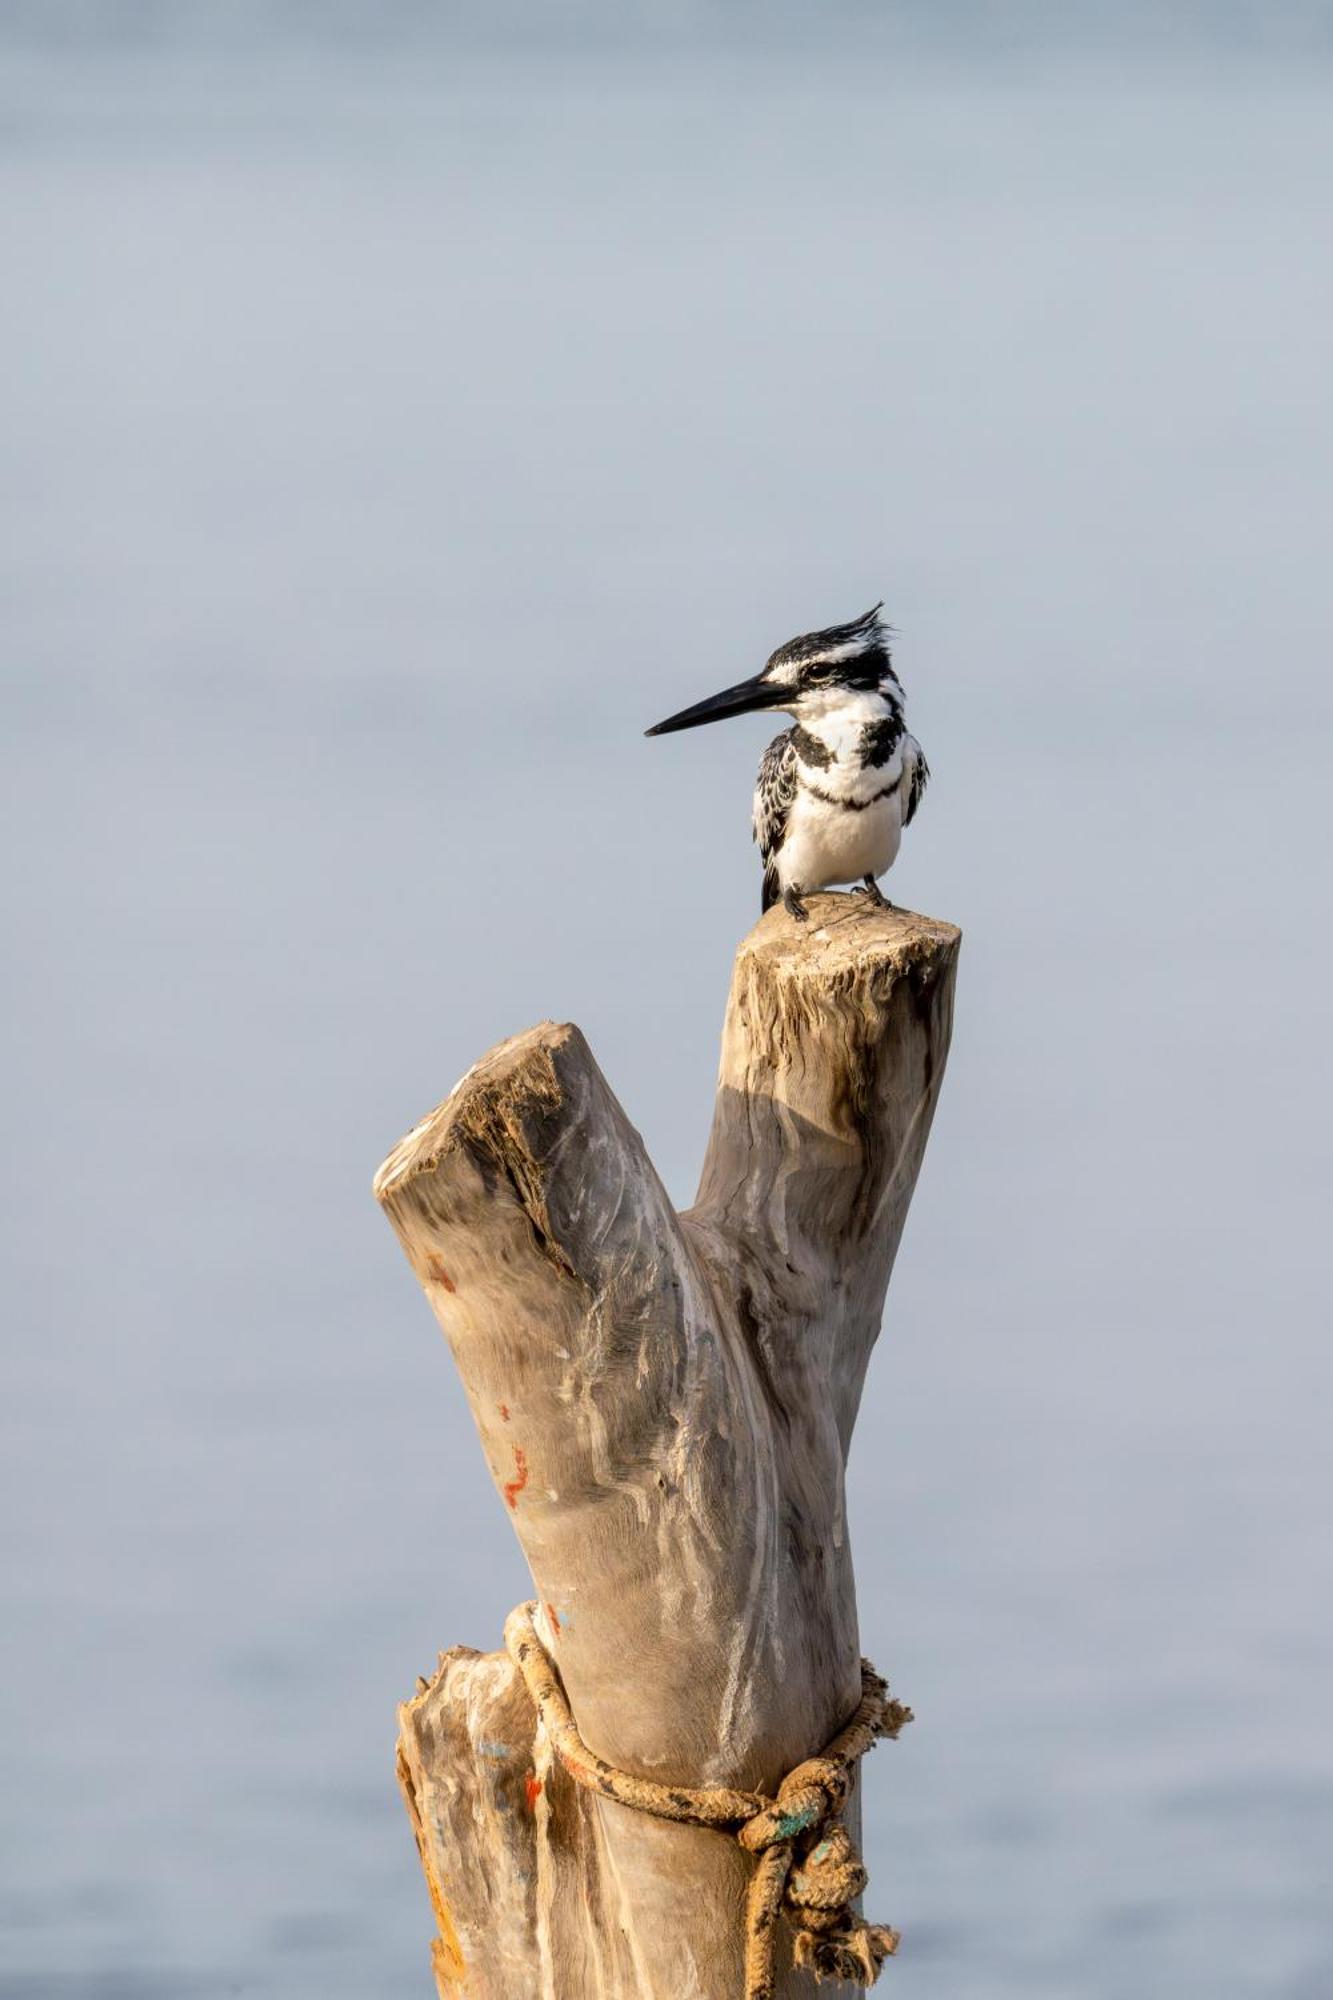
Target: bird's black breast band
851 805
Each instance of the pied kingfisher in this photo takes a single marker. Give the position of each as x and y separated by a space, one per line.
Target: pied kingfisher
835 792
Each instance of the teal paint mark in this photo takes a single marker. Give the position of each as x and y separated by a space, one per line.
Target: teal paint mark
489 1748
795 1823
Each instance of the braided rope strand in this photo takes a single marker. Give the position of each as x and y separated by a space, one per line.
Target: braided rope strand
807 1863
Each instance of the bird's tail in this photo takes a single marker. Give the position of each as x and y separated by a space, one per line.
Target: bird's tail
771 891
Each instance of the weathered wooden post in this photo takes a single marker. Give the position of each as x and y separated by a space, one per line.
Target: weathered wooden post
665 1403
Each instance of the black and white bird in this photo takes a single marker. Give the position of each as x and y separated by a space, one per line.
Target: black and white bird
834 792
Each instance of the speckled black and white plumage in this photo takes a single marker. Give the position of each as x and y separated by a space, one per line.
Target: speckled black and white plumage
917 782
774 791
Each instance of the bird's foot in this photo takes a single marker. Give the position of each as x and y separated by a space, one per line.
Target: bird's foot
791 902
875 895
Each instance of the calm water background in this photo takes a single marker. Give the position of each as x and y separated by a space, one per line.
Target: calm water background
390 436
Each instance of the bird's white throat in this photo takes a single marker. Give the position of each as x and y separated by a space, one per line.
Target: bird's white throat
837 718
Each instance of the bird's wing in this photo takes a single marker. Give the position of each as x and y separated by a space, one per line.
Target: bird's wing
774 791
916 773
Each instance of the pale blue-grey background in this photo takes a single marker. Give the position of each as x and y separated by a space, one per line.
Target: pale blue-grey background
397 419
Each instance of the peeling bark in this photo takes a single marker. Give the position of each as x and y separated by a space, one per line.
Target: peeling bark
665 1403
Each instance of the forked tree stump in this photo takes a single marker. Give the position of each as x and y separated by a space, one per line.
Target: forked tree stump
665 1402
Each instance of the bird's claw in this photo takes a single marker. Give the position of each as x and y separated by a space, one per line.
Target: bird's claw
791 902
875 895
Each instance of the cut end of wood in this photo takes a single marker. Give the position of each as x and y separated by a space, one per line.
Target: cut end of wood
812 1017
843 934
511 1076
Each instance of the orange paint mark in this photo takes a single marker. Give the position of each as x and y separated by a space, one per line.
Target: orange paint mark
513 1487
504 1412
441 1277
554 1618
533 1789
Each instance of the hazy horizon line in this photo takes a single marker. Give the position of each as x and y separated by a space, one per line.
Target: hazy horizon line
971 28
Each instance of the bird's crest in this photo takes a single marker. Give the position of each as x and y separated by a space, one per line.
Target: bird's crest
860 648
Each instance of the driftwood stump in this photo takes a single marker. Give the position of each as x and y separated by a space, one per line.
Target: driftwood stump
665 1403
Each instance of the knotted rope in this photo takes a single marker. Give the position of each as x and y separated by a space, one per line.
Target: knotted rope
807 1863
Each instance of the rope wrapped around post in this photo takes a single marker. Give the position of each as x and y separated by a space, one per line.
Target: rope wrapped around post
807 1862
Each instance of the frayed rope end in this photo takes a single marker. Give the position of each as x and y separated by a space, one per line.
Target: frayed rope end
856 1956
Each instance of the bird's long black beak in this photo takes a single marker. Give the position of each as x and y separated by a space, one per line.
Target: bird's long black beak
742 699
